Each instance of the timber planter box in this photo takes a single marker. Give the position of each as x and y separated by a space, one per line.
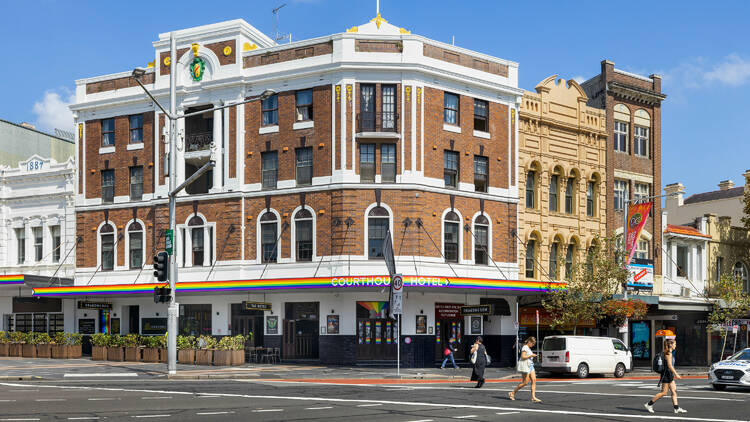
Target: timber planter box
163 355
238 357
29 350
133 354
4 349
116 354
15 350
75 352
151 354
204 356
222 357
186 356
59 351
44 350
98 353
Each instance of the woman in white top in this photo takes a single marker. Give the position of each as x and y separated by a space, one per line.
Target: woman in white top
526 368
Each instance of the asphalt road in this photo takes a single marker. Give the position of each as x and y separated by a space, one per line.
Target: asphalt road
397 401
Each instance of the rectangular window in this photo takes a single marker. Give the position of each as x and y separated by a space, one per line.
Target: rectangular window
451 242
641 249
450 109
108 251
270 169
480 245
554 188
530 189
56 243
270 108
108 132
590 192
481 173
196 235
304 105
21 245
683 262
304 166
367 162
23 323
56 323
481 116
621 193
569 188
367 108
268 238
136 129
640 141
377 227
389 107
621 136
640 191
136 249
388 162
529 262
553 257
136 183
303 235
108 186
40 323
450 168
719 265
38 243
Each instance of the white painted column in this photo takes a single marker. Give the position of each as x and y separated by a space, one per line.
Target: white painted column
217 149
206 244
29 243
179 155
46 242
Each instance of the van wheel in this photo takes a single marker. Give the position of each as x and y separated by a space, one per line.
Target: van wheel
619 370
719 387
583 371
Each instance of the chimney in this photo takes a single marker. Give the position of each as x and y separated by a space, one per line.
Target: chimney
677 191
726 184
746 174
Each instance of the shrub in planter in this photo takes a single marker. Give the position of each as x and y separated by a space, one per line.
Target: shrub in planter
74 345
60 346
99 343
115 348
132 349
186 349
162 344
29 345
151 348
43 345
204 355
238 349
4 343
17 339
226 348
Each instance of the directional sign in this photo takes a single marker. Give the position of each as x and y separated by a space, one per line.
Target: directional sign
168 241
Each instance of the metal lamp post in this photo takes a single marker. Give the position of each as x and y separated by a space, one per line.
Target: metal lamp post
172 312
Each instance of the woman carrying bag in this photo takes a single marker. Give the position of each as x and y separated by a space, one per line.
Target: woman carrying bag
526 368
480 360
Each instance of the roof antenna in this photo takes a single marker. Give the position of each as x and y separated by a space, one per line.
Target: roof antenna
453 40
276 18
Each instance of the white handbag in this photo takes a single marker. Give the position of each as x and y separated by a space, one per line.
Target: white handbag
474 357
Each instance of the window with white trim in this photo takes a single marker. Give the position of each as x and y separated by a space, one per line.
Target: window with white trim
367 162
740 271
201 241
481 240
304 160
136 129
56 242
38 243
450 168
554 256
304 105
269 169
108 132
303 235
451 227
621 193
107 247
683 261
450 109
641 249
640 141
481 173
378 224
621 136
481 120
108 185
135 245
136 183
270 110
268 237
388 162
21 245
641 191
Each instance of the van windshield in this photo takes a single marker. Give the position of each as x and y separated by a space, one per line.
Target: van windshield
553 344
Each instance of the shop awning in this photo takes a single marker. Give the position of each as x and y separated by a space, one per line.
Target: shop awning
411 282
32 281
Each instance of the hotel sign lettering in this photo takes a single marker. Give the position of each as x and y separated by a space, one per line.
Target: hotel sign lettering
93 305
257 306
476 310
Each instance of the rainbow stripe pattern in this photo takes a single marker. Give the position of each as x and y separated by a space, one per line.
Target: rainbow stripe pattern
302 283
6 280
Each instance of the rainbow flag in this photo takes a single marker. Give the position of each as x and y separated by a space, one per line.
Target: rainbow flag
11 279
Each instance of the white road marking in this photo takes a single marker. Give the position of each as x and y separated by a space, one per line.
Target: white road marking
464 417
116 374
506 413
49 399
6 401
85 418
389 402
102 398
422 420
213 413
154 398
20 419
268 410
369 405
319 408
151 416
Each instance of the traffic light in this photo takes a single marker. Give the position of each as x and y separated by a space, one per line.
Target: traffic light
161 266
161 294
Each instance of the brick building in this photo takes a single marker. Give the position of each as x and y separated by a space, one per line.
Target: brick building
373 130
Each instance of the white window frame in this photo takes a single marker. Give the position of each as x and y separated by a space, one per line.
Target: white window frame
743 274
637 137
258 240
489 237
99 245
365 247
619 132
188 240
294 233
460 235
127 242
624 194
641 191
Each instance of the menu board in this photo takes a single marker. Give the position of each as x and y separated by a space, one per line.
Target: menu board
87 326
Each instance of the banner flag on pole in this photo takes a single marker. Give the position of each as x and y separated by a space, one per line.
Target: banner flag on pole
390 260
637 216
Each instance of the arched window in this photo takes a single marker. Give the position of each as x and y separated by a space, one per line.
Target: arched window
554 189
481 240
622 126
451 226
197 246
268 237
642 123
531 246
740 271
378 223
135 245
554 256
303 233
107 247
531 189
592 186
570 256
570 193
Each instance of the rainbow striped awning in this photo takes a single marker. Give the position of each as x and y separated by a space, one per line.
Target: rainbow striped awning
333 283
6 280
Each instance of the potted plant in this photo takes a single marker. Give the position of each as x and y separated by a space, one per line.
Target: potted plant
238 349
60 346
29 345
162 345
99 343
4 343
43 345
115 348
74 345
186 349
223 352
17 339
151 348
132 351
205 353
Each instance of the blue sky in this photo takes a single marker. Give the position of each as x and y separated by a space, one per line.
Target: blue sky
700 48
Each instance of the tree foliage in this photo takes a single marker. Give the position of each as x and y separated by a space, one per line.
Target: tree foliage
734 303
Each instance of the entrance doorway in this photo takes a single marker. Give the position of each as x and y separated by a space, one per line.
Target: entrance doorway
134 319
300 340
376 333
249 323
449 324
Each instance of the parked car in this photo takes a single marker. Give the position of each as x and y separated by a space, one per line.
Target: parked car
734 370
583 355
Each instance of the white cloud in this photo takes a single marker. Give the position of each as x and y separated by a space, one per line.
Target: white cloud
580 79
52 111
733 71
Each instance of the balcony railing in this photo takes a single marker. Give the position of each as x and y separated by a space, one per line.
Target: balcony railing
377 122
199 141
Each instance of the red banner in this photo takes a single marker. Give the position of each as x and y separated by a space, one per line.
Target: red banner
637 216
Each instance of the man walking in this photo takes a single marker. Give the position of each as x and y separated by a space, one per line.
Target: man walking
448 352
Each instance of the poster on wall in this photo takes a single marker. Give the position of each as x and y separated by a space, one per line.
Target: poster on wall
87 326
641 340
476 325
421 324
115 326
332 324
272 324
153 326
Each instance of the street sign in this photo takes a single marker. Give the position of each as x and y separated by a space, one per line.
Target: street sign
735 328
537 317
397 290
168 241
398 282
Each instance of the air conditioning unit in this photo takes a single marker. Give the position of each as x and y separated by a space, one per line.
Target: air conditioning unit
686 291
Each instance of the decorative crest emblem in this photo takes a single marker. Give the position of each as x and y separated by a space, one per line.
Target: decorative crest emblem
196 69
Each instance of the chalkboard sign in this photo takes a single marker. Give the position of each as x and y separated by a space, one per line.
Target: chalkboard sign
153 326
87 326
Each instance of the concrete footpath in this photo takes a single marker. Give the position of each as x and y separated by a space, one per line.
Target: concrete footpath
46 369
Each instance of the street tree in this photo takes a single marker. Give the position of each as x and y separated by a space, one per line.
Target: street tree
733 303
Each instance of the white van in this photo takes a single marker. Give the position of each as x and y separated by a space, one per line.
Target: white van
586 355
